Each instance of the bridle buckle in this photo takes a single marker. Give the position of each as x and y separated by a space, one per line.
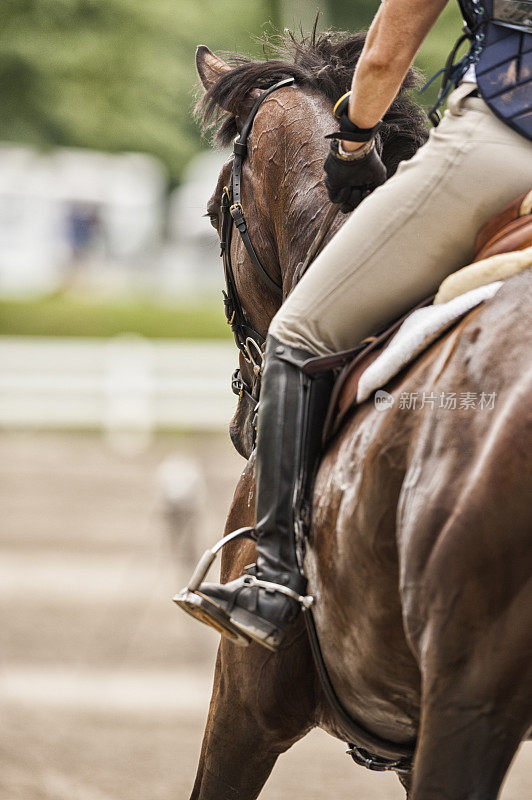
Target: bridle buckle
255 355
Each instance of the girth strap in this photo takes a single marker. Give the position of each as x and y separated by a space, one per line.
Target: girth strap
392 755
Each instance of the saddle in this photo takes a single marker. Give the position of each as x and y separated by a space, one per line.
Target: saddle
510 229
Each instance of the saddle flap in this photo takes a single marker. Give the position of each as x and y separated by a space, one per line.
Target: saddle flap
344 394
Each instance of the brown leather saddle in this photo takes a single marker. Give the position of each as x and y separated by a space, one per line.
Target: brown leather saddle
509 229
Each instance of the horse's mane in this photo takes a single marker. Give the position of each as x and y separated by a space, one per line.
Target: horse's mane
320 61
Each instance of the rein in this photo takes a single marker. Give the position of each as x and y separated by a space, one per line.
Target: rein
248 340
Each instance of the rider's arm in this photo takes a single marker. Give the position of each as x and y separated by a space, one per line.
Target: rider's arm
395 36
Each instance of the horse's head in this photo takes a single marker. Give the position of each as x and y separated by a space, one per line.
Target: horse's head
283 193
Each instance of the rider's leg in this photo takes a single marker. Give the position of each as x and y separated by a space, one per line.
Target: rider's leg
407 236
291 413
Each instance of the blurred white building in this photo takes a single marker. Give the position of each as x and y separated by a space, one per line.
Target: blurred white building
191 261
105 220
60 206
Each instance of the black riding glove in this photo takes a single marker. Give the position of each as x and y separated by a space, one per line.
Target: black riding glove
350 178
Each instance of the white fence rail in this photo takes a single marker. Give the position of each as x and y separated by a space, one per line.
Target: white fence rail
126 383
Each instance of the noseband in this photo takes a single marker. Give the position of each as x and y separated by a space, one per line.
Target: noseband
248 340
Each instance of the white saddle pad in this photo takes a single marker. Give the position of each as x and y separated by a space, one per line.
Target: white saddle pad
416 333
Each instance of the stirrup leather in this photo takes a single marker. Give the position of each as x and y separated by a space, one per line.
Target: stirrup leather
209 556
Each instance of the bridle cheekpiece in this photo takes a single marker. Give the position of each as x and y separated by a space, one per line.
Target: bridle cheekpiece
248 340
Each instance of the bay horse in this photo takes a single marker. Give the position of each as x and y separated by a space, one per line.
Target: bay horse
420 550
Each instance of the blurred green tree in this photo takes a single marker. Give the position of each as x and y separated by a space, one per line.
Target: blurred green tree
113 74
348 15
119 74
275 9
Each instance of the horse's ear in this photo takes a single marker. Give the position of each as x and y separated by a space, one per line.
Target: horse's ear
210 67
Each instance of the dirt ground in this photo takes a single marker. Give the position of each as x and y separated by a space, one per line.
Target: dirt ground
104 685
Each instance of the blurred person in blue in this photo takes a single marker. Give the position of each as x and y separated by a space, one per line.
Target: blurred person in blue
83 230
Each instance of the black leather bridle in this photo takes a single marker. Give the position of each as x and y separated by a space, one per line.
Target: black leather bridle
248 340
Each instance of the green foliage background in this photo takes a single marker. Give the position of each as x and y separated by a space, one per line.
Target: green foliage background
82 315
119 74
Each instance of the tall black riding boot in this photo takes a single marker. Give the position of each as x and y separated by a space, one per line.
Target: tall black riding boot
263 604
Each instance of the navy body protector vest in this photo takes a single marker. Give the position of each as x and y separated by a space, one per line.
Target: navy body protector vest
500 33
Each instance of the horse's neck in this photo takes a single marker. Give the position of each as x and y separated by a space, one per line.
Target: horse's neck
299 201
301 233
296 234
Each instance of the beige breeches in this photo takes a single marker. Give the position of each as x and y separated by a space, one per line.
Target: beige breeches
405 238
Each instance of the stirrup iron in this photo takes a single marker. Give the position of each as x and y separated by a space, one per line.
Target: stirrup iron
209 556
